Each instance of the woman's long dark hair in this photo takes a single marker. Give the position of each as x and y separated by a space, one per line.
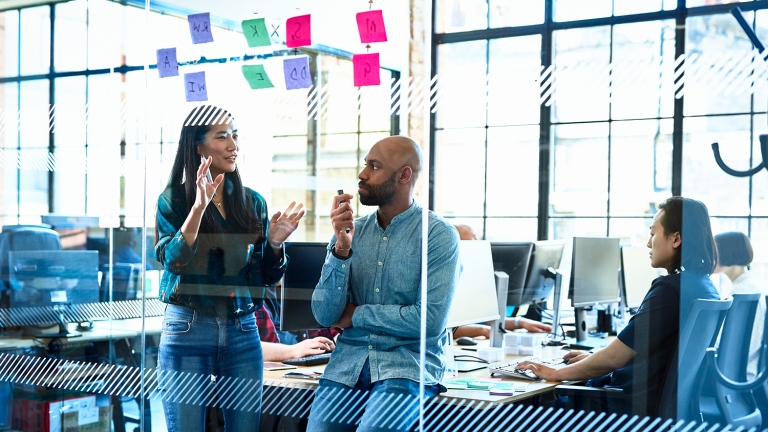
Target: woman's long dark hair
690 218
238 205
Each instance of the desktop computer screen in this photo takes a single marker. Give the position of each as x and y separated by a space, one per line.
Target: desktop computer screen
637 274
301 278
475 299
595 271
512 258
540 281
45 278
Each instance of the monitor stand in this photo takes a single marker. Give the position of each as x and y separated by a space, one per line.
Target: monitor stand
582 332
63 328
498 327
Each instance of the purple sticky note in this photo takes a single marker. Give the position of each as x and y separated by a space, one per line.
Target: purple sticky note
200 28
370 24
167 65
366 68
298 31
195 87
297 73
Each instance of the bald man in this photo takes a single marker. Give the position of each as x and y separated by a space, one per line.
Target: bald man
370 286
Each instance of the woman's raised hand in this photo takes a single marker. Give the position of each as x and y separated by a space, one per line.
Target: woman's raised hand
205 190
283 224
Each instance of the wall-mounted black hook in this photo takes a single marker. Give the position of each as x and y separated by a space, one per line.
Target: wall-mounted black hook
731 171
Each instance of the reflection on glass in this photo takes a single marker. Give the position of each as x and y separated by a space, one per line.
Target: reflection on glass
459 152
641 166
509 13
723 194
460 15
582 74
580 166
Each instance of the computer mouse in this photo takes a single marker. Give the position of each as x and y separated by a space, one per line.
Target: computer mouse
465 340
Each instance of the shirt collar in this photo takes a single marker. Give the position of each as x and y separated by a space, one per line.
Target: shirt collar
405 215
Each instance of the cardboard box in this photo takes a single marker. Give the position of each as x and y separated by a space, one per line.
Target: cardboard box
58 413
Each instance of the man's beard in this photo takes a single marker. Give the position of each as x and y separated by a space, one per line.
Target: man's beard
380 194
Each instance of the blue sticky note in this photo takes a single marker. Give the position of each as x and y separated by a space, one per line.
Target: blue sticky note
200 28
195 87
167 65
297 74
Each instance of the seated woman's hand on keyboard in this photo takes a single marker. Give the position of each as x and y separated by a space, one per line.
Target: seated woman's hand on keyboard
575 356
314 346
544 372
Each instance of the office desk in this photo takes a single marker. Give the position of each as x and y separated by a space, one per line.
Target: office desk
534 388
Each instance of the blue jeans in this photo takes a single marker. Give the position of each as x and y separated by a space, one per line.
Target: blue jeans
387 405
205 360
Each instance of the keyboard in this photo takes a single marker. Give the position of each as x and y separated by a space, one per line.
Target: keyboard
510 368
312 360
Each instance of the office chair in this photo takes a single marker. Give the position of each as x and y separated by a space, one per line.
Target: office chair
24 238
720 404
680 392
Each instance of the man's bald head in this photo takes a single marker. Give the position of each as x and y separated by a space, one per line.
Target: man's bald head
402 151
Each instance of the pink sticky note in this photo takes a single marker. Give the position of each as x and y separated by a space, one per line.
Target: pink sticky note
366 69
298 31
370 24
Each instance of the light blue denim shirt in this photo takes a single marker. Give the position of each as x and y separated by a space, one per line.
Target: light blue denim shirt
383 278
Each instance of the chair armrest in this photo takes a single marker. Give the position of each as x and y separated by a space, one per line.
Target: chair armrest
593 392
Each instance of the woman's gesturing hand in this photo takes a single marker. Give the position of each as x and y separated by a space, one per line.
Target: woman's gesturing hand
205 190
283 224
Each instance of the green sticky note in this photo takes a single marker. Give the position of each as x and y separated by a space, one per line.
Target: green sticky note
255 32
257 77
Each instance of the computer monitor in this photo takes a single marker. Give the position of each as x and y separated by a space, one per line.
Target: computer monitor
512 258
594 271
474 300
301 278
55 280
545 261
45 278
637 275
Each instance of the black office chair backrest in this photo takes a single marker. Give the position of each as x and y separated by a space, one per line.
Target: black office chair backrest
18 238
682 387
124 282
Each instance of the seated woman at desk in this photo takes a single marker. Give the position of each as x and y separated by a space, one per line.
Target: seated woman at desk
734 255
637 360
477 330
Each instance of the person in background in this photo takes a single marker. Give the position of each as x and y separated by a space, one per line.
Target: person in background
638 359
734 255
511 323
125 248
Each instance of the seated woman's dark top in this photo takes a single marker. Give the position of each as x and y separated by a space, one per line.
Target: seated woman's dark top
653 334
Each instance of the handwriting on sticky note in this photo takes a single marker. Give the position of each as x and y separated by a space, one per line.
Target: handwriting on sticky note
366 67
297 75
256 33
200 28
167 65
195 87
370 24
257 77
298 31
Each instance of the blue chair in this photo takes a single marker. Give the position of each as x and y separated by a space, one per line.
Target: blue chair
680 392
720 404
24 238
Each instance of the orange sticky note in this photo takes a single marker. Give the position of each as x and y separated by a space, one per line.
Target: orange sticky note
298 31
370 24
366 67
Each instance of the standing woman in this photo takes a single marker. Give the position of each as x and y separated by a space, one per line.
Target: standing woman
219 251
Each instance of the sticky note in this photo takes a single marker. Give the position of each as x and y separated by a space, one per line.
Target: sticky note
257 77
298 31
167 65
366 68
195 87
370 24
297 73
256 32
200 28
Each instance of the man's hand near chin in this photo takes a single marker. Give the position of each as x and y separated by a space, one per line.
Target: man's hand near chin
345 321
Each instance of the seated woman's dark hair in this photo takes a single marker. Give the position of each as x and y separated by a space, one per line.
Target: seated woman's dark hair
239 206
690 218
733 248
